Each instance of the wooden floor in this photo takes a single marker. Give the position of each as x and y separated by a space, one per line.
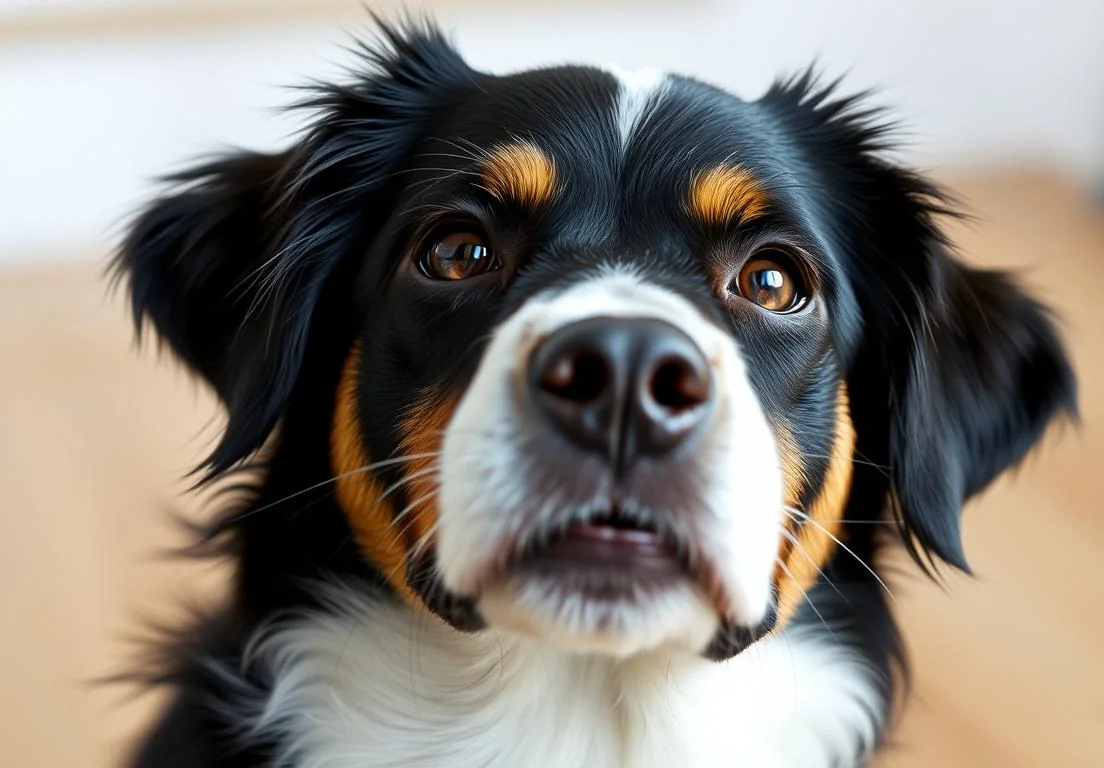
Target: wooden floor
94 438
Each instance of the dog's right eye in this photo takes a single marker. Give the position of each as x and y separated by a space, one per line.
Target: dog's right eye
458 256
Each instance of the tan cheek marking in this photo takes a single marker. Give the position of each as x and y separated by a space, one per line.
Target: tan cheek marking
724 194
422 432
793 466
521 173
358 492
387 541
804 562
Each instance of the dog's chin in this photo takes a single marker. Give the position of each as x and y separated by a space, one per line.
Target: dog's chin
611 611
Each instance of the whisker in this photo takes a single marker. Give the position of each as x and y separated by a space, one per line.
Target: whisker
476 432
337 550
793 539
469 158
421 499
408 509
433 181
885 469
472 147
404 480
798 515
423 540
450 171
805 595
854 460
434 207
334 479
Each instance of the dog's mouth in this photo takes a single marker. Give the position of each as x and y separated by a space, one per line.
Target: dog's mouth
607 539
612 556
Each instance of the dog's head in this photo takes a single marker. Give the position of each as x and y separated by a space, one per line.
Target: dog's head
607 350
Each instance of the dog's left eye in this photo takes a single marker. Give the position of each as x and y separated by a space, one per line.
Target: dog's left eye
458 256
772 281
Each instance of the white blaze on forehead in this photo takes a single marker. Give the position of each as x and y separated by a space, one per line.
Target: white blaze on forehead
638 93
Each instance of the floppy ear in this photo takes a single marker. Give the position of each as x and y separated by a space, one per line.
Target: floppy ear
960 372
230 267
954 373
974 387
195 262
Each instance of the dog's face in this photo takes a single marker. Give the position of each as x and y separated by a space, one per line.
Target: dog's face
614 352
603 347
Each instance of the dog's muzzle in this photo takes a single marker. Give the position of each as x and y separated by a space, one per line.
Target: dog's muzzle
609 480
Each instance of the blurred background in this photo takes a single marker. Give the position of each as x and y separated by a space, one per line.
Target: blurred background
1002 101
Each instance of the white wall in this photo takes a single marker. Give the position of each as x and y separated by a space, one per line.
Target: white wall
96 96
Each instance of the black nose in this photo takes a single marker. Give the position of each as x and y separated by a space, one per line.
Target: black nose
624 387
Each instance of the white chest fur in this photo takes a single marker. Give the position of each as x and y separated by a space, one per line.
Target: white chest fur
374 684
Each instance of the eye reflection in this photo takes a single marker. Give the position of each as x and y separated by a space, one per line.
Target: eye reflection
769 281
458 256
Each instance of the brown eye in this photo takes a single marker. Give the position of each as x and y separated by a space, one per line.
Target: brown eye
458 256
770 280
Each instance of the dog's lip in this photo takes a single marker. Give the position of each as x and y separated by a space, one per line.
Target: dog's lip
609 543
605 543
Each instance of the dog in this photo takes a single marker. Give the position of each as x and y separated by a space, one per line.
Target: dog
575 408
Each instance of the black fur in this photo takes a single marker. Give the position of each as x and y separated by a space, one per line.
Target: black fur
261 271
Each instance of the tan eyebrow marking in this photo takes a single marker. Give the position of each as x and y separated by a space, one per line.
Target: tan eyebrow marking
520 172
726 193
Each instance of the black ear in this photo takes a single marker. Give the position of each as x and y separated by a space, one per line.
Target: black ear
195 261
230 266
188 251
975 385
954 373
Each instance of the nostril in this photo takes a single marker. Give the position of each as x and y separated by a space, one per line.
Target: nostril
621 387
580 377
678 386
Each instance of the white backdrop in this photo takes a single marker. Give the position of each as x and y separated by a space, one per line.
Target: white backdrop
98 96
